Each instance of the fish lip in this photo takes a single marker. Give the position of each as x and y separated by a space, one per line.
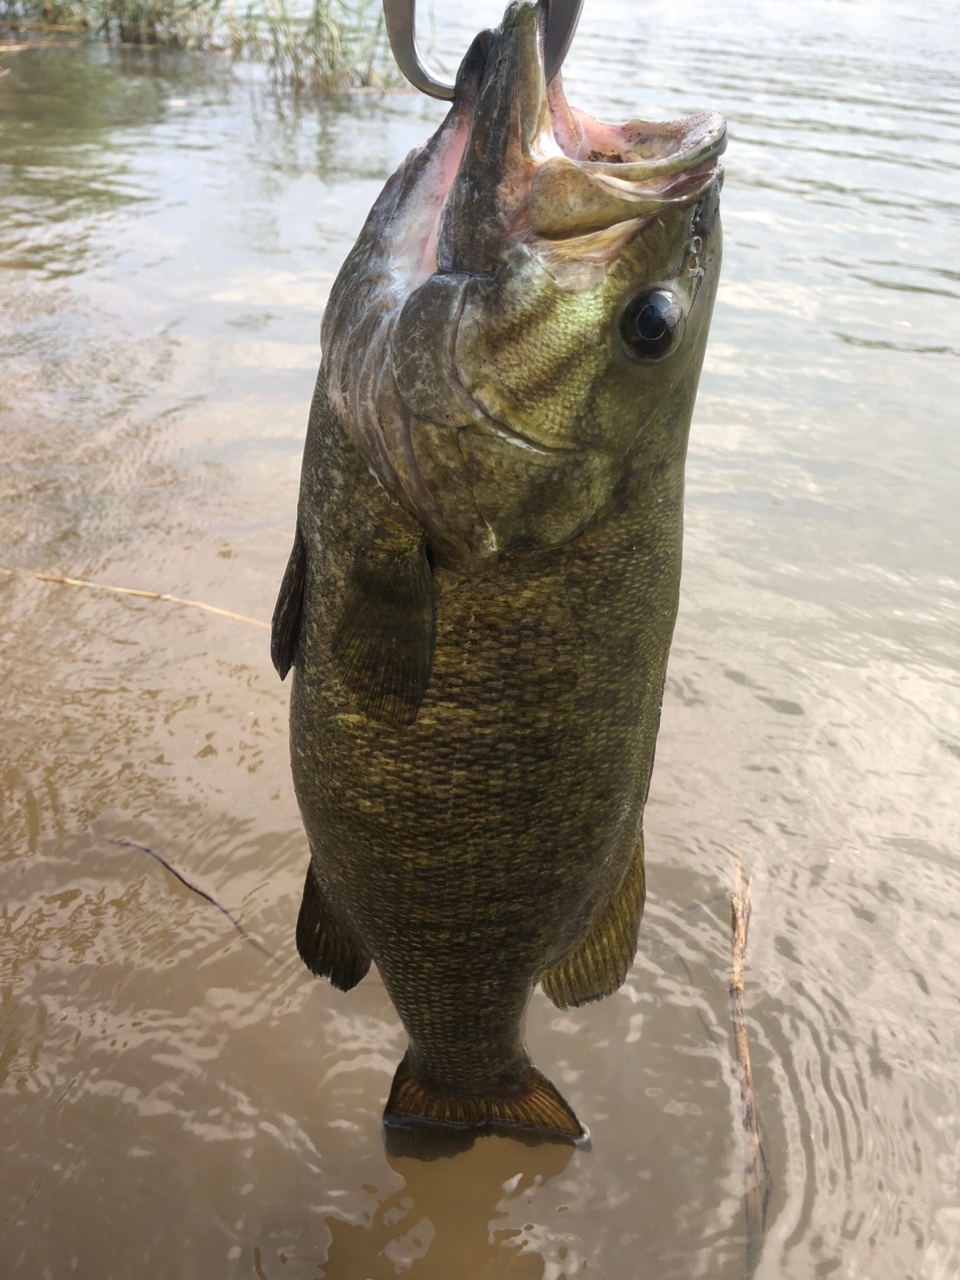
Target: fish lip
703 137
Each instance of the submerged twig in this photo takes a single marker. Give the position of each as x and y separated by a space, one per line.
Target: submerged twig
756 1175
134 591
158 857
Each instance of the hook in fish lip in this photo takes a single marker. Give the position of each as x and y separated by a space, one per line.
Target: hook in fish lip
560 25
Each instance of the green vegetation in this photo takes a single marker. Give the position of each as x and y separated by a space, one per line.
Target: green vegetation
337 45
334 47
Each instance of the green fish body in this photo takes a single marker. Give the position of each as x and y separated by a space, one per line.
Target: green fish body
484 583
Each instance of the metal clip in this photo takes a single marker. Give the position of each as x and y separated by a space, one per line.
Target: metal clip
400 18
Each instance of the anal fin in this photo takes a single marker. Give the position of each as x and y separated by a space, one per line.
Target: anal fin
600 964
384 638
324 946
536 1107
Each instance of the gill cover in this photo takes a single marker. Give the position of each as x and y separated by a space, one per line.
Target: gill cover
527 302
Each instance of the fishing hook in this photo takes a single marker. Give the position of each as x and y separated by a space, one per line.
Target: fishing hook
400 18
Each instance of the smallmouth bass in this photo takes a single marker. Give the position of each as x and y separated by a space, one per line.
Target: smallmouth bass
483 586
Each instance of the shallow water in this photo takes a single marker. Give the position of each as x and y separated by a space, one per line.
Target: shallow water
174 1101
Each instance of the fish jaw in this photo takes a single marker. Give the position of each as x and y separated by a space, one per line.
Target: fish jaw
473 343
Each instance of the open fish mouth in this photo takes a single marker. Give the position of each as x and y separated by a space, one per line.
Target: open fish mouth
534 168
629 171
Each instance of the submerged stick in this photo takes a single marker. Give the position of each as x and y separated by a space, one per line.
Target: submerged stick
133 591
756 1175
132 844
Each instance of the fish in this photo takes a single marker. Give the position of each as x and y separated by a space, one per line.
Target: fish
481 595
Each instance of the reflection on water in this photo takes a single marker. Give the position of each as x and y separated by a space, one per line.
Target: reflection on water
171 1096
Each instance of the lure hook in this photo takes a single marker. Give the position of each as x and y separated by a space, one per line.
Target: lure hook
400 19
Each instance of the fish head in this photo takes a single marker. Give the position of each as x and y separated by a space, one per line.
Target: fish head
525 314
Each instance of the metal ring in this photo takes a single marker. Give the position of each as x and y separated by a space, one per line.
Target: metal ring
400 19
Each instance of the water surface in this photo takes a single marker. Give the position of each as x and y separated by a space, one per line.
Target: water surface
173 1100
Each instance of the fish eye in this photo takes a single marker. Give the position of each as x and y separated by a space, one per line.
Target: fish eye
651 324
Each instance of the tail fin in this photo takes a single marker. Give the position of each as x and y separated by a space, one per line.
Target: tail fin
536 1107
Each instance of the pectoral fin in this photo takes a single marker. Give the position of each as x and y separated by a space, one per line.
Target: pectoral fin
286 614
383 641
324 945
599 965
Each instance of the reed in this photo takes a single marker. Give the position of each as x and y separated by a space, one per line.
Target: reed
335 46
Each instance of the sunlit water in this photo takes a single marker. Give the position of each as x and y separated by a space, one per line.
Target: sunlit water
173 1103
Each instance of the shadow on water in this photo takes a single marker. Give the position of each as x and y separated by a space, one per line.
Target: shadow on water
431 1142
464 1200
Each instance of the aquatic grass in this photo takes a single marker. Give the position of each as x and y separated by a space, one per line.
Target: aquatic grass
189 25
335 46
44 13
175 23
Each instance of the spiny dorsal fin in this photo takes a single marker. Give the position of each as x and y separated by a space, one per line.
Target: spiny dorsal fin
383 642
286 614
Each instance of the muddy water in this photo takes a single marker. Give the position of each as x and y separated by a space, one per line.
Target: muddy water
175 1103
